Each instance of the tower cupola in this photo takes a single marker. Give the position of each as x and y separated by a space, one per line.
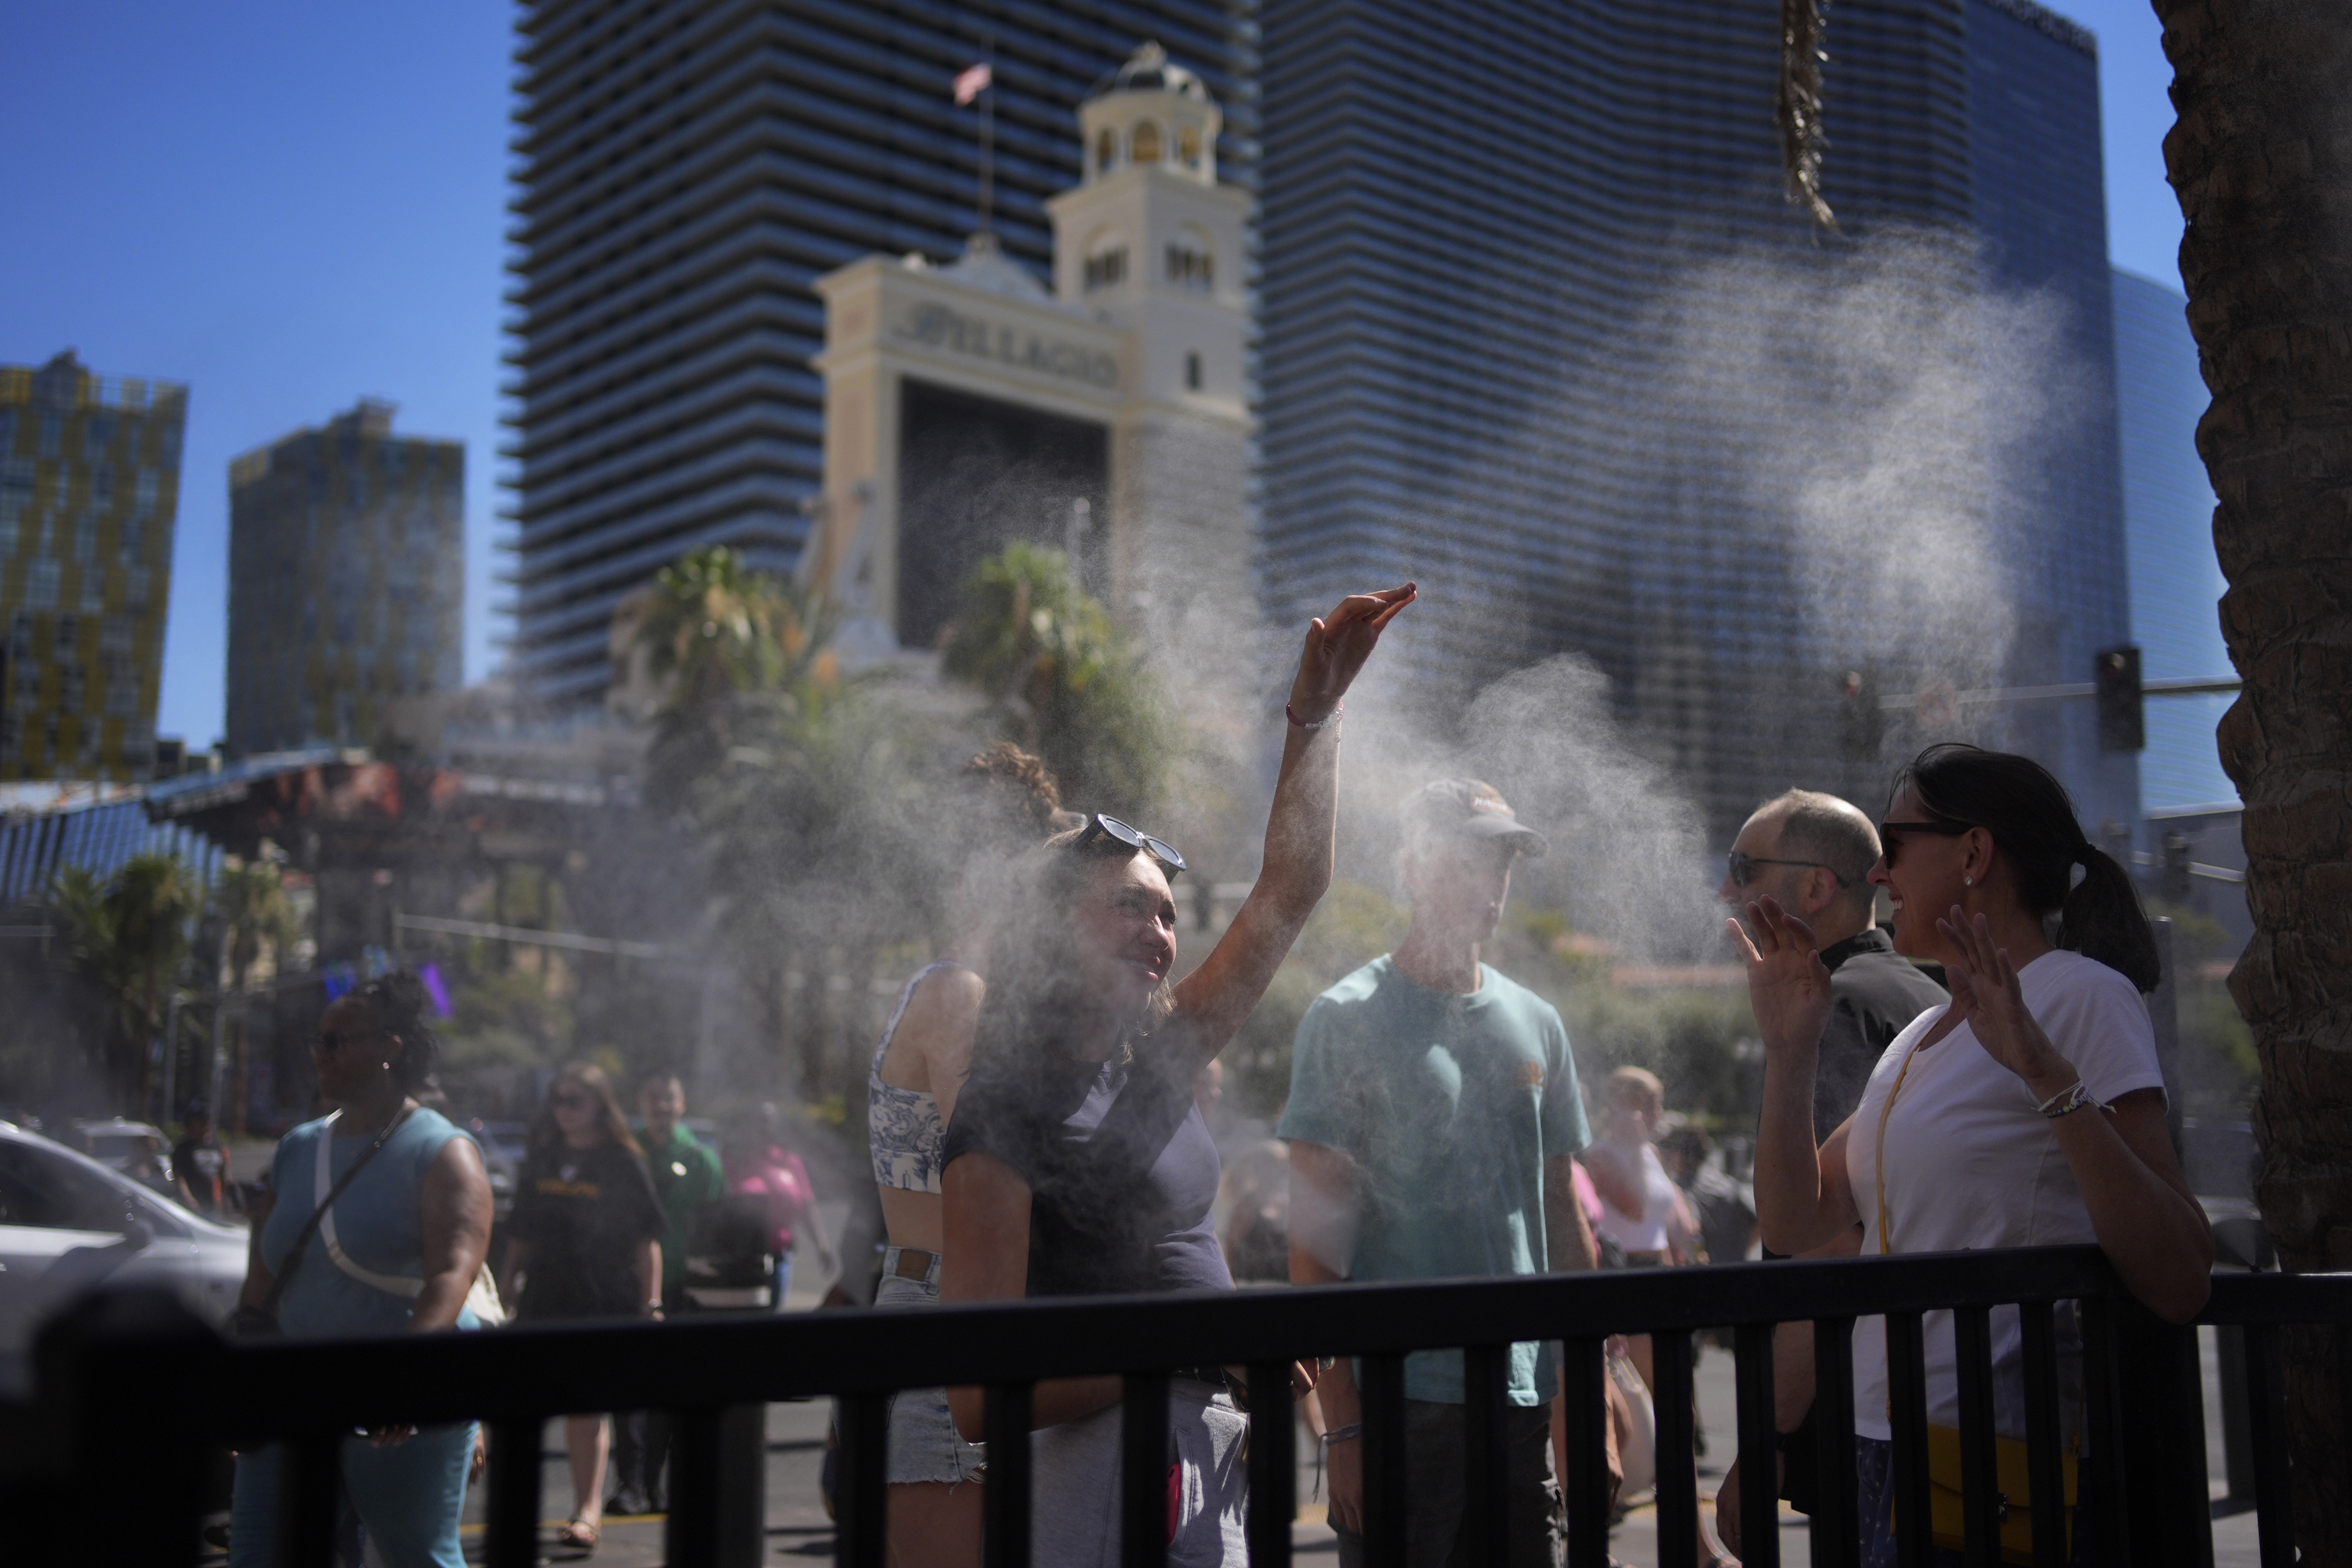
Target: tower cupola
1151 113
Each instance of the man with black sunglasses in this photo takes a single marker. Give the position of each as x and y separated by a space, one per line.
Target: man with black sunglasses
1812 853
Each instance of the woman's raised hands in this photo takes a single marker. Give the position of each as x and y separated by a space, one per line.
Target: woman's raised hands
1989 1000
1788 985
1336 646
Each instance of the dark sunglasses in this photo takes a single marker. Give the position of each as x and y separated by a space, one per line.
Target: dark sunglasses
1101 829
1743 868
1888 842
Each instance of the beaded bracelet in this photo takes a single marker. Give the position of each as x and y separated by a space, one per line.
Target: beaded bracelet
1323 723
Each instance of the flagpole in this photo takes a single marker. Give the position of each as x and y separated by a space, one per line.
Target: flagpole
987 152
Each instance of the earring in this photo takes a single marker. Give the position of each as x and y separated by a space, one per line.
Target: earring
387 1066
1968 882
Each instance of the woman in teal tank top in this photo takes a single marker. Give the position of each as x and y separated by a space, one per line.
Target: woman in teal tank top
407 1239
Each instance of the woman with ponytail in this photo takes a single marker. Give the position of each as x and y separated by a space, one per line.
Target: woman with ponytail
2030 1112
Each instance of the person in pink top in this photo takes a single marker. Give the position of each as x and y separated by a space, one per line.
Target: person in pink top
756 1164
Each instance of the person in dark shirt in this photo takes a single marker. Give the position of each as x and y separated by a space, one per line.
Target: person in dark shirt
199 1165
1812 853
1078 1161
587 1232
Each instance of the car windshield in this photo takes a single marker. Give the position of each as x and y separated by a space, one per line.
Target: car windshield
41 1188
116 1146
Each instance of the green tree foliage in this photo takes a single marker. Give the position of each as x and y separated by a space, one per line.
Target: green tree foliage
129 935
255 913
1070 687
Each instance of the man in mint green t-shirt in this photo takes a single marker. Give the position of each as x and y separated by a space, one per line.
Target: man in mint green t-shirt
1433 1109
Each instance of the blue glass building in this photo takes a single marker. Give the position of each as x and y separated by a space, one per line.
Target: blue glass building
2176 581
685 169
1538 329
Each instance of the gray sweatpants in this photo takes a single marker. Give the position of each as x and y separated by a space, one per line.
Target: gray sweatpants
1075 1517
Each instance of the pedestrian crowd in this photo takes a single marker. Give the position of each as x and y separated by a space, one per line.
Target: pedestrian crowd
1042 1117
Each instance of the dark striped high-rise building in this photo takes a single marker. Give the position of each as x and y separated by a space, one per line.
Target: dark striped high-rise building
1538 328
687 168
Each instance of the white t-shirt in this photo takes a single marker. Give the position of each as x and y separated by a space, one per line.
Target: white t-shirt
1970 1162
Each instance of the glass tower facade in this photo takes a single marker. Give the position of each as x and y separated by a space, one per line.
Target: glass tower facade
686 168
1538 329
347 582
2176 581
89 488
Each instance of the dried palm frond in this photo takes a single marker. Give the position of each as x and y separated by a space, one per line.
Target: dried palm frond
1797 106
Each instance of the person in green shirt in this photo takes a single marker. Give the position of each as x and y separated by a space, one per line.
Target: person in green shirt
686 1176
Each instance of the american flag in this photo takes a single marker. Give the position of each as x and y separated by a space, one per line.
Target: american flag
972 82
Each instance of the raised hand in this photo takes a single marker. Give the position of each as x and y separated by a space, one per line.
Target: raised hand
1788 985
1987 997
1336 646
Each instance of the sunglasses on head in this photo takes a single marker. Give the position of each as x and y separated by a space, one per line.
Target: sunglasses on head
1111 830
1743 868
1889 843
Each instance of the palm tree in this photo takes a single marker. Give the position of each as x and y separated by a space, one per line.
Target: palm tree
1070 686
2261 161
130 936
254 908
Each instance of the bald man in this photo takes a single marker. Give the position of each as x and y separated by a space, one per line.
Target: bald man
1813 853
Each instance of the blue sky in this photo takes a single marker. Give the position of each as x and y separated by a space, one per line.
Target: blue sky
288 207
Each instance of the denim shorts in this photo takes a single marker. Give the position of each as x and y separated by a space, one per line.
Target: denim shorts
924 1445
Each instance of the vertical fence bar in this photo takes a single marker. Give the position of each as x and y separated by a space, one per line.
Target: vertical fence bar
1670 1363
860 1496
1487 1490
1585 1487
1981 1501
2266 1420
1836 1529
1380 1388
2104 1433
1005 1501
1273 1464
510 1531
2237 1445
310 1479
1906 1398
1143 1471
690 1533
1759 1502
2044 1466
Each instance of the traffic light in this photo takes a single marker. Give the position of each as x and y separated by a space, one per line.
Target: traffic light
2115 672
1862 726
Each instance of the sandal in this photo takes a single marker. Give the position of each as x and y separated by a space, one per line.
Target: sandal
579 1533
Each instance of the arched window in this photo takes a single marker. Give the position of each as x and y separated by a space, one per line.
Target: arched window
1143 142
1105 151
1188 146
1188 260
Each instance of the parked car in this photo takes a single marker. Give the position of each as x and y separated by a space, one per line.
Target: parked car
68 1223
137 1149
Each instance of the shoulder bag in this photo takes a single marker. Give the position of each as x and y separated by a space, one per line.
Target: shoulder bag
482 1300
259 1321
1944 1467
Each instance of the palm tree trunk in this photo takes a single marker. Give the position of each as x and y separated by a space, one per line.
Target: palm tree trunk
2262 160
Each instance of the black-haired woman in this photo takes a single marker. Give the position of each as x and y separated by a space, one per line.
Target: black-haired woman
587 1232
1078 1161
2029 1111
398 1252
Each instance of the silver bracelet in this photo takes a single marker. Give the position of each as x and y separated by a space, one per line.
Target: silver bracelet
1343 1433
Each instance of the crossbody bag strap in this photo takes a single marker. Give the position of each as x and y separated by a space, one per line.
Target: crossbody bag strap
393 1284
317 1215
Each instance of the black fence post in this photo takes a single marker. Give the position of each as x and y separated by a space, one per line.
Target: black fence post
310 1499
510 1532
2103 1420
860 1496
1671 1359
1981 1501
1836 1525
1380 1393
1005 1500
1273 1464
718 1501
1583 1376
134 1486
1487 1475
1759 1502
2046 1466
1906 1400
1143 1471
2266 1426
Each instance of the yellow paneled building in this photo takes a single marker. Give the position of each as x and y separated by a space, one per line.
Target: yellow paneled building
89 488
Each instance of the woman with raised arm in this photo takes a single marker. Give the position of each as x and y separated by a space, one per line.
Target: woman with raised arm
1005 804
1077 1161
2029 1111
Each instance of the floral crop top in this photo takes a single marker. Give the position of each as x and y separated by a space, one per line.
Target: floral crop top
903 1124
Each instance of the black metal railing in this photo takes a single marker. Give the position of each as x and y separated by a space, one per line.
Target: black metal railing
133 1399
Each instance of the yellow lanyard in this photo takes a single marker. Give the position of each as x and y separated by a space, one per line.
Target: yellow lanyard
1879 1169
